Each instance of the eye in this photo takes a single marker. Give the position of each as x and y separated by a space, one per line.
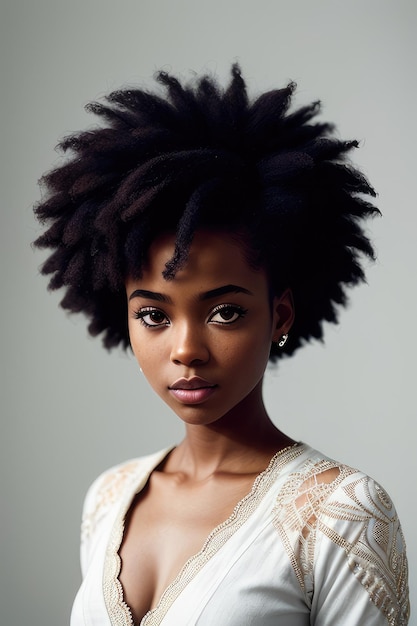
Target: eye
151 317
227 314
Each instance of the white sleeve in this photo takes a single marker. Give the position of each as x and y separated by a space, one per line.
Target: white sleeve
91 507
101 497
360 565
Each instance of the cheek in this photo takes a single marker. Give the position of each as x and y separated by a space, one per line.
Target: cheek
137 343
148 357
151 357
133 338
248 351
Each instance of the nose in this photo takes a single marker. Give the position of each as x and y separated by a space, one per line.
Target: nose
188 346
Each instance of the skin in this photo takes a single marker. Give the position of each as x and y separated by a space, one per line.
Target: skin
180 330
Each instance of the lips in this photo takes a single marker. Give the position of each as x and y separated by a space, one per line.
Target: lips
191 383
192 390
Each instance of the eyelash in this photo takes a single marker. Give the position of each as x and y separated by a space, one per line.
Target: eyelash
141 314
148 310
240 311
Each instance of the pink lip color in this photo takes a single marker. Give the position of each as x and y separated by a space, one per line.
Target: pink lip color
192 396
192 390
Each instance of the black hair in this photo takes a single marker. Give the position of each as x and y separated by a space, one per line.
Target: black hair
202 156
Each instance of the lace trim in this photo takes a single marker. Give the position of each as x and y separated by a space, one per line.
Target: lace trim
377 557
119 612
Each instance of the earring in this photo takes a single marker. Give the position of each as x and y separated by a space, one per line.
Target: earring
283 341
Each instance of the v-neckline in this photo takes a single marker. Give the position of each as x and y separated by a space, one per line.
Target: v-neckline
119 611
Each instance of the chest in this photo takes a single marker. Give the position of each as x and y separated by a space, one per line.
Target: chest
166 525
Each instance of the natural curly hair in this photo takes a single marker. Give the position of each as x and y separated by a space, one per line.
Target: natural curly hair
202 156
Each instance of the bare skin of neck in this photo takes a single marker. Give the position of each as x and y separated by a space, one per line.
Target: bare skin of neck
244 441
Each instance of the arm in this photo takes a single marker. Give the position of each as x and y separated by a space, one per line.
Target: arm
344 541
360 567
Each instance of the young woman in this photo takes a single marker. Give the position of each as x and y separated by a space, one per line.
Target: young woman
211 234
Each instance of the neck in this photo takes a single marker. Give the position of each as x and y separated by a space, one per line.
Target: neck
244 440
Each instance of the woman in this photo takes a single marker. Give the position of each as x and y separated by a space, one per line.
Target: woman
211 234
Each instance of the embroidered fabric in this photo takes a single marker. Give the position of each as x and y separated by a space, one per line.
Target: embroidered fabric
312 502
314 542
111 485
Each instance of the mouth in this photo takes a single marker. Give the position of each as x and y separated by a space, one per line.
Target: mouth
190 384
192 390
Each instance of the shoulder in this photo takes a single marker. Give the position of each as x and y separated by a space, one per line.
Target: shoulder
112 486
329 512
317 483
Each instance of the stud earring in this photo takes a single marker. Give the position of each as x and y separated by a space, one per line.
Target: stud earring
283 341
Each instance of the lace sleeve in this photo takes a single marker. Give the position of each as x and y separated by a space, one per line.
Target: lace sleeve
344 540
360 519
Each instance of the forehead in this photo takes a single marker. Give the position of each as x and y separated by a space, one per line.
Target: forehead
215 257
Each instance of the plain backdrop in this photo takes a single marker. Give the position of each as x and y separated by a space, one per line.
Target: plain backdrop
70 409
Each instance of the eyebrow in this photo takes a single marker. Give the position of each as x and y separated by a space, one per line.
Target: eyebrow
206 295
150 295
220 291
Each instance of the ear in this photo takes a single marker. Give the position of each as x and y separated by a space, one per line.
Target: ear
283 314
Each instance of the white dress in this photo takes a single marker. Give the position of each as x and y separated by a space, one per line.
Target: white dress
313 543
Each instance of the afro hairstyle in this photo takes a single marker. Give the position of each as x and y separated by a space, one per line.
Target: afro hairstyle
195 155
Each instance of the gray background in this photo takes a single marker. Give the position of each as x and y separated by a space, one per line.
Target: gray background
70 409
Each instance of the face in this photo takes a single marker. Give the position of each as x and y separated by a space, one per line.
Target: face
203 338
